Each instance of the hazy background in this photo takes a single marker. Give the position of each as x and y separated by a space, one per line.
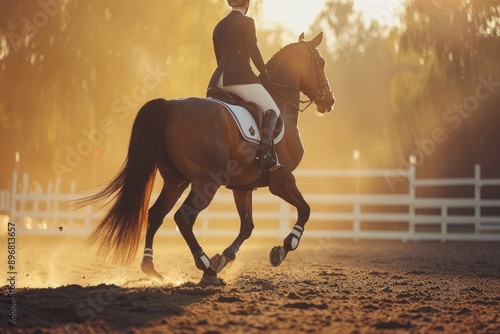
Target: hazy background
423 79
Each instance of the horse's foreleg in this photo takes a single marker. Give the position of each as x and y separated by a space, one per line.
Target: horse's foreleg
243 200
197 200
169 195
291 194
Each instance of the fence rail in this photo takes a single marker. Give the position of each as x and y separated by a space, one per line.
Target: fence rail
354 215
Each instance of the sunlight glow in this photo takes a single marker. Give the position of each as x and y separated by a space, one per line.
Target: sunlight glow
293 15
4 47
298 15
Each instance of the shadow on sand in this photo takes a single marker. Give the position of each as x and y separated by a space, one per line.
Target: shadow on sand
73 307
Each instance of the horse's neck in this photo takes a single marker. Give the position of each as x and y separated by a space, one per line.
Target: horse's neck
287 100
291 142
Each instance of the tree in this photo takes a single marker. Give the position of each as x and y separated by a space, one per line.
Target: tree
453 88
74 74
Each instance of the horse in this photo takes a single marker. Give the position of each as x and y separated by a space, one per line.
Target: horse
195 142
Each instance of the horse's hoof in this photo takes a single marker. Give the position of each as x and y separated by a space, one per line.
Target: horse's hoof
210 280
218 262
277 255
148 268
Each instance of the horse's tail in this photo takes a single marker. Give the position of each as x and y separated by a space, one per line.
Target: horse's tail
120 231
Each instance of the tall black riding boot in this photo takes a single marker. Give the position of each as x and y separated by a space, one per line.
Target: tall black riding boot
265 158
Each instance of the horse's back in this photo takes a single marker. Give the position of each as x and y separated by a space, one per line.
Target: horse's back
192 103
194 115
202 138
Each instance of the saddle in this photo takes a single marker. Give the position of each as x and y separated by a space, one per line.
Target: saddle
230 98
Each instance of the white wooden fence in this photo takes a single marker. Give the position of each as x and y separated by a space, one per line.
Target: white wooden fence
353 215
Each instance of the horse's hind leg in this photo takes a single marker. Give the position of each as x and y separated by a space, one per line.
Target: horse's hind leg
287 189
243 200
197 200
172 190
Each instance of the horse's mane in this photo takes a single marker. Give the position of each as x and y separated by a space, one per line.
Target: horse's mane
276 58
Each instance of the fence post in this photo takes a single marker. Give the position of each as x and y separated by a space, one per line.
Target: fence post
411 195
356 223
477 199
357 205
444 223
13 190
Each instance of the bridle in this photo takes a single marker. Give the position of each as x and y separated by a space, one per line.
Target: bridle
313 96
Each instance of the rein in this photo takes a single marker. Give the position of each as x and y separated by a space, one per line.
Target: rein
320 95
309 102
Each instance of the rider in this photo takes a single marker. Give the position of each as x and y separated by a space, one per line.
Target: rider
235 43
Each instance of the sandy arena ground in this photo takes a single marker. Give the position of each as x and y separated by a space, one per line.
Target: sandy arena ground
326 286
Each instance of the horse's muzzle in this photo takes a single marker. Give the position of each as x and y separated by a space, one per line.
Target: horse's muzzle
325 105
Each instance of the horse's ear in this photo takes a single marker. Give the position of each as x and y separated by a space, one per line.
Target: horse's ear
317 40
301 37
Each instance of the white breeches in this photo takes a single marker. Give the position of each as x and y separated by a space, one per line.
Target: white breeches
255 93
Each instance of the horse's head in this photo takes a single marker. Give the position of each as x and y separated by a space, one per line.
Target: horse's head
313 81
299 67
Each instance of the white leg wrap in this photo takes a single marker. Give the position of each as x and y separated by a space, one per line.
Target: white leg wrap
206 261
201 260
148 252
296 235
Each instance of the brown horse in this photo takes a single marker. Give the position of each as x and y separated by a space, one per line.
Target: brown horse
195 142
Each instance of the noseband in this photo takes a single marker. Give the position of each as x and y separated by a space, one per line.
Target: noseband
320 94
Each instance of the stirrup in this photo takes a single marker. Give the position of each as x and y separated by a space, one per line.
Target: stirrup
277 165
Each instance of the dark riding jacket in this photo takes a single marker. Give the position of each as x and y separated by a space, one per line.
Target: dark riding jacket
235 43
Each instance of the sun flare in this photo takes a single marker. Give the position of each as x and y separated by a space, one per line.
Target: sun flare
293 15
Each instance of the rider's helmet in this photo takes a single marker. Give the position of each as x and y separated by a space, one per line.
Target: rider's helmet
236 3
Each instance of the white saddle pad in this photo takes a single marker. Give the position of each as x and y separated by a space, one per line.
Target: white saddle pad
247 125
